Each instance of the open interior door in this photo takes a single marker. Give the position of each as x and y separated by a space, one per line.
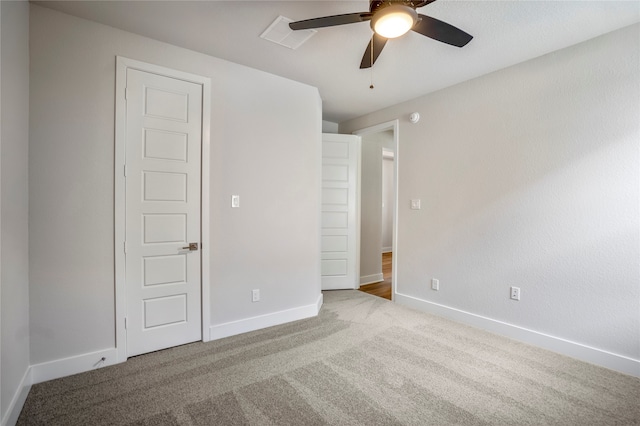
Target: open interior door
340 211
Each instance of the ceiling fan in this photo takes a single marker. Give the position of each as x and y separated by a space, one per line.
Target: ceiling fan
391 19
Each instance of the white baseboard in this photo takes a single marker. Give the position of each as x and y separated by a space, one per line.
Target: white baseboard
387 250
79 364
17 402
576 350
73 365
370 279
263 321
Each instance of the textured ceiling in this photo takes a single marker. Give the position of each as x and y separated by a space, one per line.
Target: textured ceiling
505 33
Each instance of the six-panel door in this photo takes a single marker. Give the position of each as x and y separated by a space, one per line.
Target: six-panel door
163 167
340 160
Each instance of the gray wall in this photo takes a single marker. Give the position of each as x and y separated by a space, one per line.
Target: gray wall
529 177
14 277
265 146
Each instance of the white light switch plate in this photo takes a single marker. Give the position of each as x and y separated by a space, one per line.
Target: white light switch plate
235 201
415 204
435 284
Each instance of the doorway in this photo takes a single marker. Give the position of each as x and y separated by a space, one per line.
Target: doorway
378 223
162 208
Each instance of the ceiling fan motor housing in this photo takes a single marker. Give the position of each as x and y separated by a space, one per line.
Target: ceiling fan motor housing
394 19
375 5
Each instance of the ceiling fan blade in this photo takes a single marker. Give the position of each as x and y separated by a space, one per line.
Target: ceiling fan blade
378 43
422 3
441 31
330 21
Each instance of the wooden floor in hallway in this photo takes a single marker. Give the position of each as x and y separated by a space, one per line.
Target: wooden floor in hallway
382 288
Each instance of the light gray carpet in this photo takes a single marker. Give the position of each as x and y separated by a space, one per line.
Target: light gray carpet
362 361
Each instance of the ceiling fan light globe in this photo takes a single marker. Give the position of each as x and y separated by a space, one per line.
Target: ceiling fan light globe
394 21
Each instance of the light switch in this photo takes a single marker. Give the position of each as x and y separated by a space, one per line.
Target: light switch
415 204
235 201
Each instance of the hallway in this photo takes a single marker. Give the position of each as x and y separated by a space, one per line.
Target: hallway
382 288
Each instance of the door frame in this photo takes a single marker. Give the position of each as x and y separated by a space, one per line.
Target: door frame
122 64
395 126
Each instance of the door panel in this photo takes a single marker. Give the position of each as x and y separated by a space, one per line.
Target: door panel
163 153
340 162
165 269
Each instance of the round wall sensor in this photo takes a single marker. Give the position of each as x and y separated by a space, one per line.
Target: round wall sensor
414 117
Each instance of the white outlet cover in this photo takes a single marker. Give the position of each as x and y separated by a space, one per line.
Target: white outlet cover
515 293
415 204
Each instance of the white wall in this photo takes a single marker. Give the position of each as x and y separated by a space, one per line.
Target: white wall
265 146
329 127
529 177
14 265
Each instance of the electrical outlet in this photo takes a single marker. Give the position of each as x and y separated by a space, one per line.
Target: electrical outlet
235 201
435 284
255 295
515 293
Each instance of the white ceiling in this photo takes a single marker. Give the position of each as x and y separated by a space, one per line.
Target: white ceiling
505 33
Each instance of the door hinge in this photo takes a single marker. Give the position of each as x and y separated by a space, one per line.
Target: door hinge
126 93
125 170
125 247
125 323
